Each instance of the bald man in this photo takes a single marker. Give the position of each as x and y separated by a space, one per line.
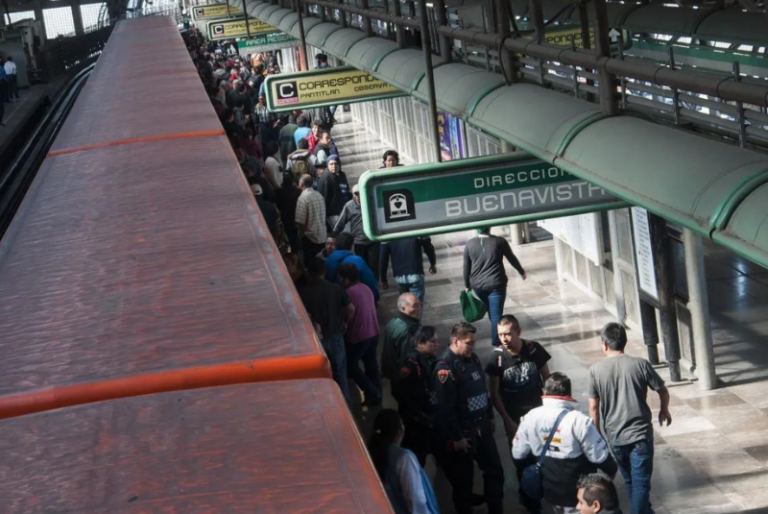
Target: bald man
398 335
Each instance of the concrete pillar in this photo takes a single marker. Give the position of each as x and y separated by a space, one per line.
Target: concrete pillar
559 259
698 305
39 17
618 286
77 17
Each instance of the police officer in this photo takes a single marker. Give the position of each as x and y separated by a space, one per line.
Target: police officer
415 393
464 425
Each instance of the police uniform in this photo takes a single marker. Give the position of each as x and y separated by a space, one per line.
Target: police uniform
417 403
464 411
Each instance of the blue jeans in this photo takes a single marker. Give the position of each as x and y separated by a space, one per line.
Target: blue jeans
417 288
494 301
636 465
367 380
337 354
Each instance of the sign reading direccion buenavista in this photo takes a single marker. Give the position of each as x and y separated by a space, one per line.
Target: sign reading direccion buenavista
473 193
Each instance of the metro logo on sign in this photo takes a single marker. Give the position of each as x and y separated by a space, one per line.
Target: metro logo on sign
287 93
472 193
328 86
399 206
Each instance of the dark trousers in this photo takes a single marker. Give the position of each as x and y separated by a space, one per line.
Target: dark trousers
367 378
310 249
4 91
370 254
418 439
13 86
636 466
460 470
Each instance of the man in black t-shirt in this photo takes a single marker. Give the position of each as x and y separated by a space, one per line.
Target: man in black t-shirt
517 371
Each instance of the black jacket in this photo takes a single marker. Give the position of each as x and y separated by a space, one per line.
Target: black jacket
414 390
406 256
463 403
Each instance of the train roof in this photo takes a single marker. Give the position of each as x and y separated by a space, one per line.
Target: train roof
282 447
139 260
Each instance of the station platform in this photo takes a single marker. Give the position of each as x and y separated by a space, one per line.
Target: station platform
713 458
18 112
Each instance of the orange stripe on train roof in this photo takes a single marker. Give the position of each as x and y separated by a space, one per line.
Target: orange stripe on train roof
262 370
130 141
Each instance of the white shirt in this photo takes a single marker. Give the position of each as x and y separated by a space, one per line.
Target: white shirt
274 167
10 68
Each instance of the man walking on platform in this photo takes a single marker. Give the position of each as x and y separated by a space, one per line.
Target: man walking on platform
575 448
407 263
618 386
13 83
464 426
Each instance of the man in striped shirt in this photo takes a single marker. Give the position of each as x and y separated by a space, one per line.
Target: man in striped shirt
310 218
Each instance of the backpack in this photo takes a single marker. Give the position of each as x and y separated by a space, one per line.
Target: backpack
300 166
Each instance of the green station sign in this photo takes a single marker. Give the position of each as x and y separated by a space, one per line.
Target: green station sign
231 29
473 193
270 41
324 87
214 12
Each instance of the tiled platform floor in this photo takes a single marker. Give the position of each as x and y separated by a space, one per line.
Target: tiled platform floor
713 457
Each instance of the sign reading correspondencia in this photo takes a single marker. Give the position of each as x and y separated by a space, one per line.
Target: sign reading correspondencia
473 193
214 12
329 86
229 29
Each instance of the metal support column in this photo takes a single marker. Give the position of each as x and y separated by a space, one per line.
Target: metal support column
608 98
586 40
516 229
426 44
698 305
399 34
342 16
367 29
662 249
77 17
650 331
302 36
506 58
441 18
247 24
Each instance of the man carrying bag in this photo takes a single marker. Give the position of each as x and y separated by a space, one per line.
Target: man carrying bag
574 448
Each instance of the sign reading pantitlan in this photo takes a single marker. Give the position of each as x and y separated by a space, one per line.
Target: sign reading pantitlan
320 88
230 29
473 193
214 12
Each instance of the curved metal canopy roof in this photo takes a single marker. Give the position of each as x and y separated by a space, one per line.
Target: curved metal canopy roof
718 190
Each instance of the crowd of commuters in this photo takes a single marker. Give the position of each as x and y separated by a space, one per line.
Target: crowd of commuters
447 402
